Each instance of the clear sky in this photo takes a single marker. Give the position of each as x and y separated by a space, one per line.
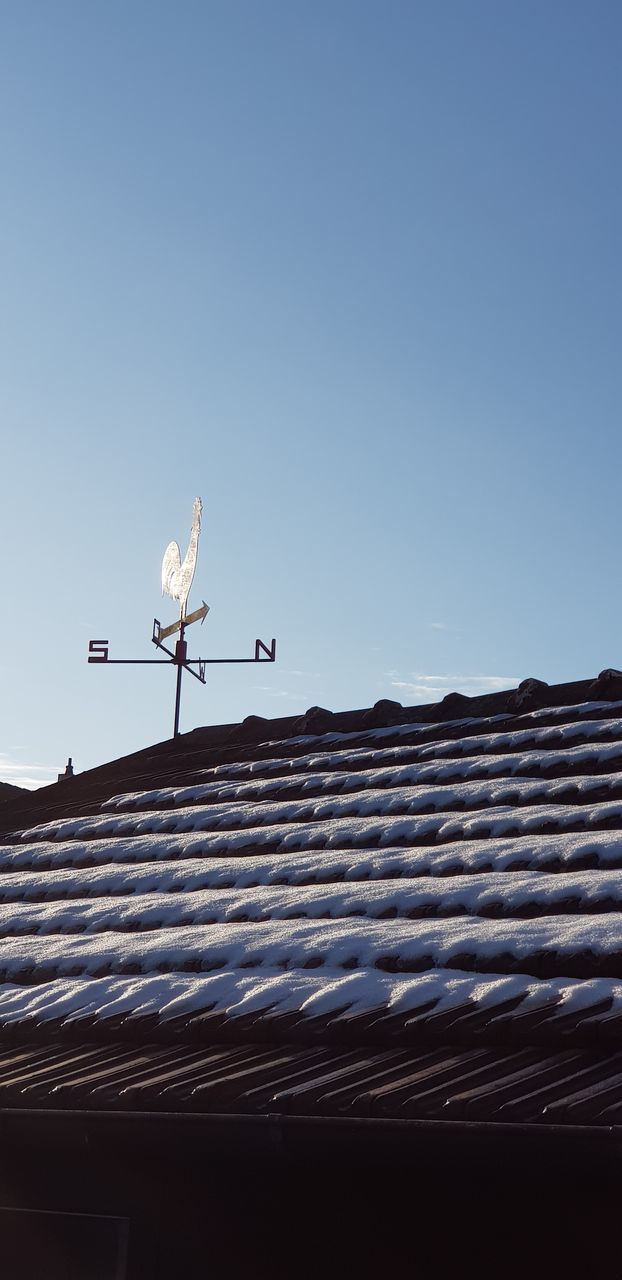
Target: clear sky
350 271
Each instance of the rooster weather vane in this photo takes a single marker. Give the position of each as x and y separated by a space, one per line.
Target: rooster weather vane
177 578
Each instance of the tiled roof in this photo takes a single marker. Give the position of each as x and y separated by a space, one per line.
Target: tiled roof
403 912
8 791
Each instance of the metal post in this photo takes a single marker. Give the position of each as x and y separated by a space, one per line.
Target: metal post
181 649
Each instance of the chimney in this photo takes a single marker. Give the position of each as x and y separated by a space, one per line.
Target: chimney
68 771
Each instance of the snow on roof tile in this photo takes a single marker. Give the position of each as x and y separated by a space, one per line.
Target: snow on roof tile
398 873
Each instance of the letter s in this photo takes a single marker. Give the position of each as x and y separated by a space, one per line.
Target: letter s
98 650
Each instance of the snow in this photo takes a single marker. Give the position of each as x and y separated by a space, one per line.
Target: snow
499 946
341 995
283 763
421 726
415 878
507 893
398 776
378 832
490 794
391 731
473 841
347 744
186 864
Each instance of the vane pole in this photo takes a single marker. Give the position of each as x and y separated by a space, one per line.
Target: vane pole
181 650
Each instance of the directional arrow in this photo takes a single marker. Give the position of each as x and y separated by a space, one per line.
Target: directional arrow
199 614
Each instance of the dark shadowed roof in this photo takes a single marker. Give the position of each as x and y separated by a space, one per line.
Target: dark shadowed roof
8 791
404 913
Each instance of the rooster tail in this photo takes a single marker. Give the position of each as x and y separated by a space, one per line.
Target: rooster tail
171 567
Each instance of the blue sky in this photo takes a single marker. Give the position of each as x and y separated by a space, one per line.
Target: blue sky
351 271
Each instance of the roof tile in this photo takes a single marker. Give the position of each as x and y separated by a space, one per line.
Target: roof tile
439 888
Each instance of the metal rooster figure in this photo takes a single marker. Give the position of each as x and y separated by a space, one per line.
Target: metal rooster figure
177 578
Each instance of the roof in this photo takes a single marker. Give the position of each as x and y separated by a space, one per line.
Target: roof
405 913
8 791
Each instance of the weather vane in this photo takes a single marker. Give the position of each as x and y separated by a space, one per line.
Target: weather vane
177 578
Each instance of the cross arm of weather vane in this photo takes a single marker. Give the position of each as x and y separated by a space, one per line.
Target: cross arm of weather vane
99 652
263 653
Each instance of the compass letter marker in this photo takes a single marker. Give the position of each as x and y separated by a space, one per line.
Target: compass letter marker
270 652
98 650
